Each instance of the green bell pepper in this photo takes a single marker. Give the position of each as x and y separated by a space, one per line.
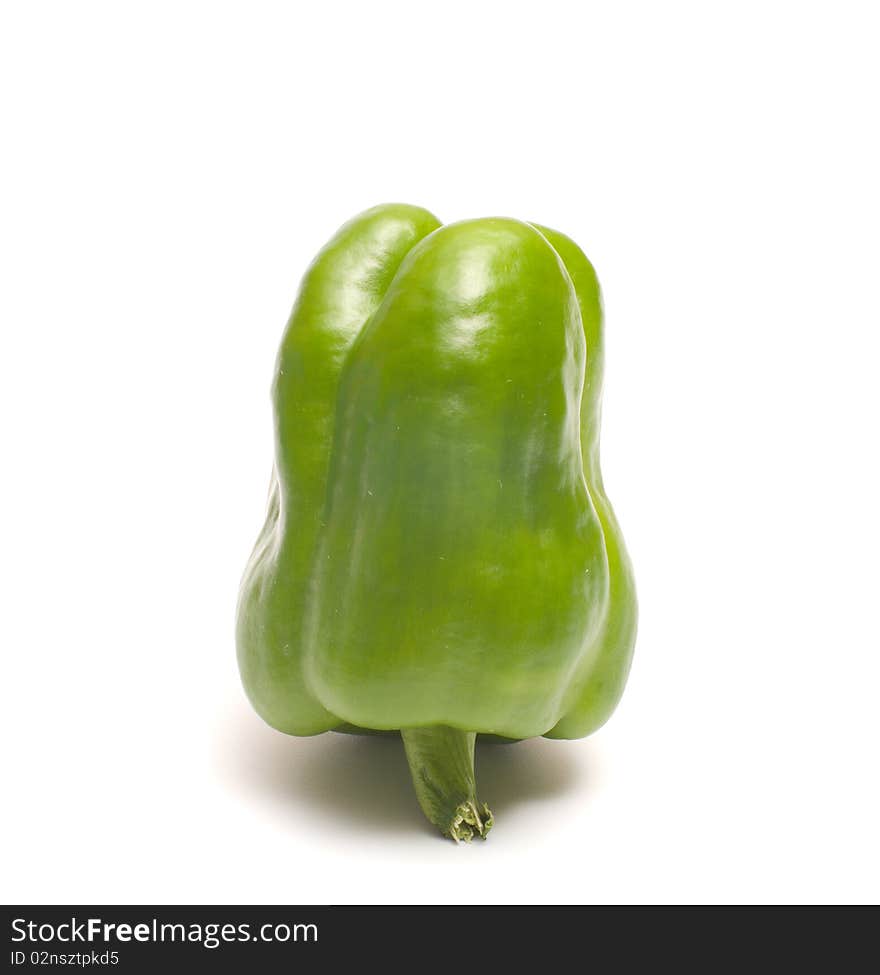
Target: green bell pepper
439 557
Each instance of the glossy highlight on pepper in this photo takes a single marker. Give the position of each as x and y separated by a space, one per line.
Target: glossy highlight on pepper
439 557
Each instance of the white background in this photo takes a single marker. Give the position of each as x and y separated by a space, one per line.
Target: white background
169 169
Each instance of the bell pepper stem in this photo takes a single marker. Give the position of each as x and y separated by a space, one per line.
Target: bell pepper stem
441 761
